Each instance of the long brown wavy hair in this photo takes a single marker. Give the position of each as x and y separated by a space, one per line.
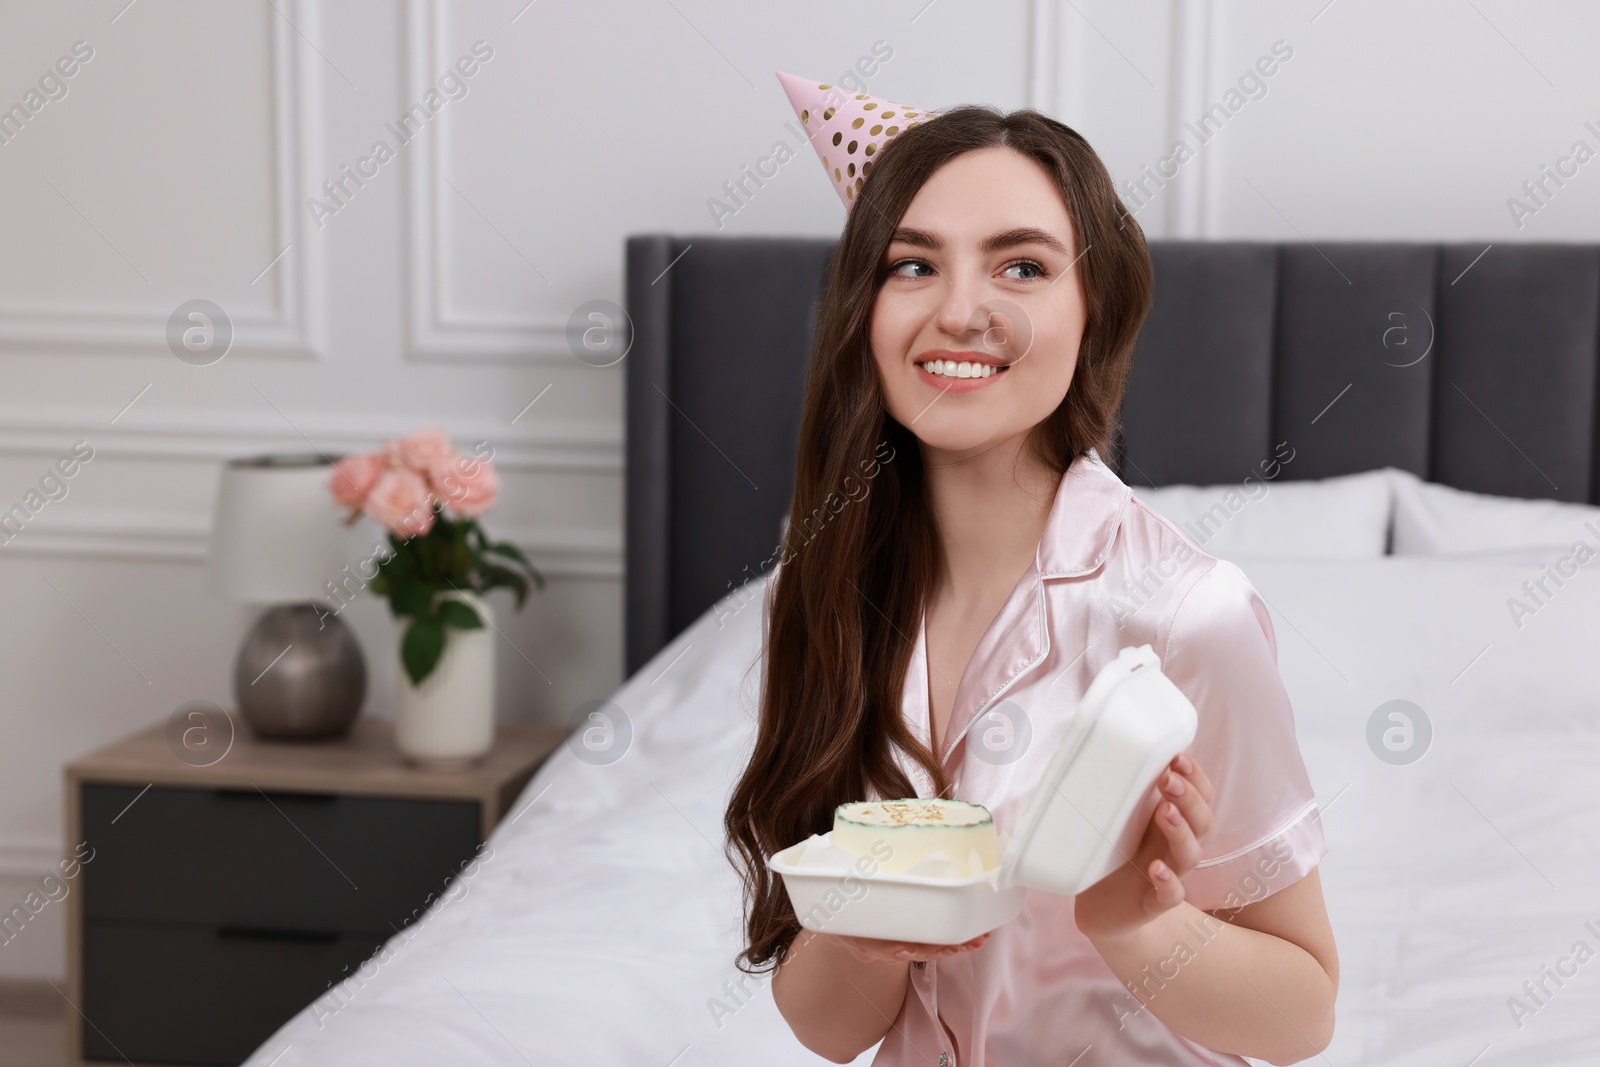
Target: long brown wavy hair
855 570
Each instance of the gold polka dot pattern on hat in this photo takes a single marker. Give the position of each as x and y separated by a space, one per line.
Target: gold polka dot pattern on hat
859 124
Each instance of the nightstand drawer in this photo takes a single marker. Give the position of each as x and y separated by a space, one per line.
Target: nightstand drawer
195 996
275 860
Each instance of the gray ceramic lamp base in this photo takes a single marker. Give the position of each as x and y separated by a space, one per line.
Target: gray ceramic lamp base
299 676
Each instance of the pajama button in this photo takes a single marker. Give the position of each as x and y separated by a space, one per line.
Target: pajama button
919 964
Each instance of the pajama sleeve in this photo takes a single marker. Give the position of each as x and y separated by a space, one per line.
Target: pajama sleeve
1267 831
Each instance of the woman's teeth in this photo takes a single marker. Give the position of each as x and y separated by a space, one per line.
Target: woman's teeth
949 368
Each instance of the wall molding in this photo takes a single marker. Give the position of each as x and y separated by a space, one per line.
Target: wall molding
293 327
29 857
433 332
152 536
589 447
1058 85
1044 61
107 535
1193 40
193 434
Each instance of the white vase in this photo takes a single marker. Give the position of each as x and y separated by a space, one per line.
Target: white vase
447 722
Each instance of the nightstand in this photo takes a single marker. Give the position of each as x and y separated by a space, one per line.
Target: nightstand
218 901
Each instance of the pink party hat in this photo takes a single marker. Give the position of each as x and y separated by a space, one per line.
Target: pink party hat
846 128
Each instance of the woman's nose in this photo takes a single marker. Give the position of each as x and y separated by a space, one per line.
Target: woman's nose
957 315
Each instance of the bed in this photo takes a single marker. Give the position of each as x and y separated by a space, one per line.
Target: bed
600 924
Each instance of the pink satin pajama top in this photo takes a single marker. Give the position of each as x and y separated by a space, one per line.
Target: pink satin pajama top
1109 573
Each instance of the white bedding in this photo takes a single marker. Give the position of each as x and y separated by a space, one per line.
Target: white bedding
601 928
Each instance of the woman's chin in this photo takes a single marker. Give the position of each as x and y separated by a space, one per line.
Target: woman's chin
943 445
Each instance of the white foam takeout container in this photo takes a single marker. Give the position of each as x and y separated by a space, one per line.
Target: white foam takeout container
1086 817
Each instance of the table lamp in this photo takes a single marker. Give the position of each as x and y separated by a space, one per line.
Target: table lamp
277 536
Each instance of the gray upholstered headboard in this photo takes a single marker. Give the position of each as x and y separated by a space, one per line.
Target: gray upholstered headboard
1477 370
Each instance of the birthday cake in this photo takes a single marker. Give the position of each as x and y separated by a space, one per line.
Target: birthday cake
916 828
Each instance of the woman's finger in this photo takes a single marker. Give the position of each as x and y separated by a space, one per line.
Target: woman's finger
913 950
1186 795
1168 891
965 946
863 951
869 951
1190 768
878 950
1182 845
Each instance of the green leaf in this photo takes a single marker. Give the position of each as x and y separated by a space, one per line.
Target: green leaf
493 576
506 548
461 616
421 647
400 565
412 598
511 551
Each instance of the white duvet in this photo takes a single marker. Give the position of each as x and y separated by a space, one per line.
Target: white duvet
600 926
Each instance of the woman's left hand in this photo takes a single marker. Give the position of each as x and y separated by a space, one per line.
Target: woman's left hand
1152 881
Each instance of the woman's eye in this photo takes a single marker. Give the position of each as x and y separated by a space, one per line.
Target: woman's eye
1027 264
900 268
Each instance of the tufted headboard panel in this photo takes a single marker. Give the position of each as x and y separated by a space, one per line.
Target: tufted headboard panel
1478 369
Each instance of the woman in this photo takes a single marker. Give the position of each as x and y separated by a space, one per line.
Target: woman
994 564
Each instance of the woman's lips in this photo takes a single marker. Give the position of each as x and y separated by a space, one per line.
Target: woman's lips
960 385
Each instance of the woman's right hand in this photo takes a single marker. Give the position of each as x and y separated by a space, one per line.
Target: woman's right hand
877 950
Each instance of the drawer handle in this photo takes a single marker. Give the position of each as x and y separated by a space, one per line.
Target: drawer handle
267 933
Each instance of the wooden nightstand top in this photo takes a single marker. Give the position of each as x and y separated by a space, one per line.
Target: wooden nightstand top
363 762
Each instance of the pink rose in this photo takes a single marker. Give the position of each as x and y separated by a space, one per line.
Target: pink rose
421 450
467 485
354 476
401 501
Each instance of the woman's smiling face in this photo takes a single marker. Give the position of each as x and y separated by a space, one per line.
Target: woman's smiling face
974 275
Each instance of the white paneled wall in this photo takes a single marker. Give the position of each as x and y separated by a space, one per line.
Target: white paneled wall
1348 119
186 158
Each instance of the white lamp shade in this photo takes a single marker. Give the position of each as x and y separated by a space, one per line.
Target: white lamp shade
277 534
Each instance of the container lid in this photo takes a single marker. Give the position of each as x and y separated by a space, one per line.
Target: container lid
1054 838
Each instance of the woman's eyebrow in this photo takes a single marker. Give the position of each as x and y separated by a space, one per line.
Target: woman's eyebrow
1020 235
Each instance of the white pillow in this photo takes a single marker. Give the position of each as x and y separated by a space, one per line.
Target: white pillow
1345 517
1438 520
